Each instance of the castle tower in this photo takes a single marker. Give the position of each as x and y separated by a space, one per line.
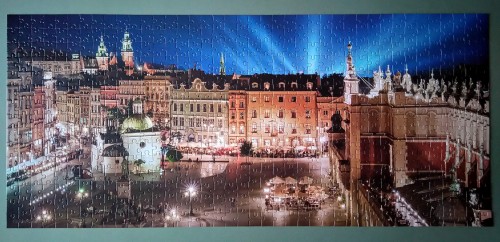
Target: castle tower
127 53
351 81
102 56
222 70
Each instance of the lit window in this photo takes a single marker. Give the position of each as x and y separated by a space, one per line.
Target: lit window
255 85
280 113
254 128
267 86
254 99
267 113
266 98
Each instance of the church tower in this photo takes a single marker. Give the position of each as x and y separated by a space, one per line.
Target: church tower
351 81
102 56
222 70
127 53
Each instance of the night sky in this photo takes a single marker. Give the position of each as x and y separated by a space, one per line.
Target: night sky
269 44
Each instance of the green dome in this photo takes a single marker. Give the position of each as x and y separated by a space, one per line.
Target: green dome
136 123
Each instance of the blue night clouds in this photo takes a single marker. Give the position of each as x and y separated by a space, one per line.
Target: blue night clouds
269 44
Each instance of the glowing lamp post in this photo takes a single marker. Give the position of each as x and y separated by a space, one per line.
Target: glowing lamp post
44 217
190 192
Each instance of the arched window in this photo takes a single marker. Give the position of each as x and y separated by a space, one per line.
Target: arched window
432 123
374 121
410 124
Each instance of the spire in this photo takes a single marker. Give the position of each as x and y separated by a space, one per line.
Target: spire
101 50
126 42
351 72
222 70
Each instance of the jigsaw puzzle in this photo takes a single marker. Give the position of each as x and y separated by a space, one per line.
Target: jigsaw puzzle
290 120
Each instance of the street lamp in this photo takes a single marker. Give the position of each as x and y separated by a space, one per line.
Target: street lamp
44 217
190 192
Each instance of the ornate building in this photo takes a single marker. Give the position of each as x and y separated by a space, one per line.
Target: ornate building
127 54
129 90
157 92
407 135
282 113
102 56
199 114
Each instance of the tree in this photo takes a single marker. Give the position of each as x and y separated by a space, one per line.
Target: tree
246 148
174 155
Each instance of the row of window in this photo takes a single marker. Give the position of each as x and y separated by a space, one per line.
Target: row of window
280 114
281 85
199 107
197 122
281 99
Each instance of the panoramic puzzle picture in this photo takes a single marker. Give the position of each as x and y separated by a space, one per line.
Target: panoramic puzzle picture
128 121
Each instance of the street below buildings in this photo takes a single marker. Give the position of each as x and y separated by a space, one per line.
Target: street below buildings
228 193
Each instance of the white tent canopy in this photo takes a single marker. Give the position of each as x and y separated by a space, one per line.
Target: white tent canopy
277 180
290 180
306 180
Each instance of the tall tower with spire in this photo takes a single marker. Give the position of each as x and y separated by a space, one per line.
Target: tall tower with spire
127 53
351 81
102 56
222 69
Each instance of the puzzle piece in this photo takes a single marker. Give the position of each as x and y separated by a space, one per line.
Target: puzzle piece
311 120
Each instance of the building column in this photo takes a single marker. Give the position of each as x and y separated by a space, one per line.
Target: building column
399 150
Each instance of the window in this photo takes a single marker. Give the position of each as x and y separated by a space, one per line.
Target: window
254 99
191 122
198 122
308 113
232 104
242 115
242 105
267 113
204 108
281 128
219 108
254 142
181 121
219 123
280 99
282 85
255 85
308 99
294 130
197 107
176 121
280 113
294 84
233 115
175 107
254 113
309 85
254 128
294 99
182 107
267 128
191 107
308 129
267 142
294 114
233 129
211 108
267 86
242 129
266 99
325 112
